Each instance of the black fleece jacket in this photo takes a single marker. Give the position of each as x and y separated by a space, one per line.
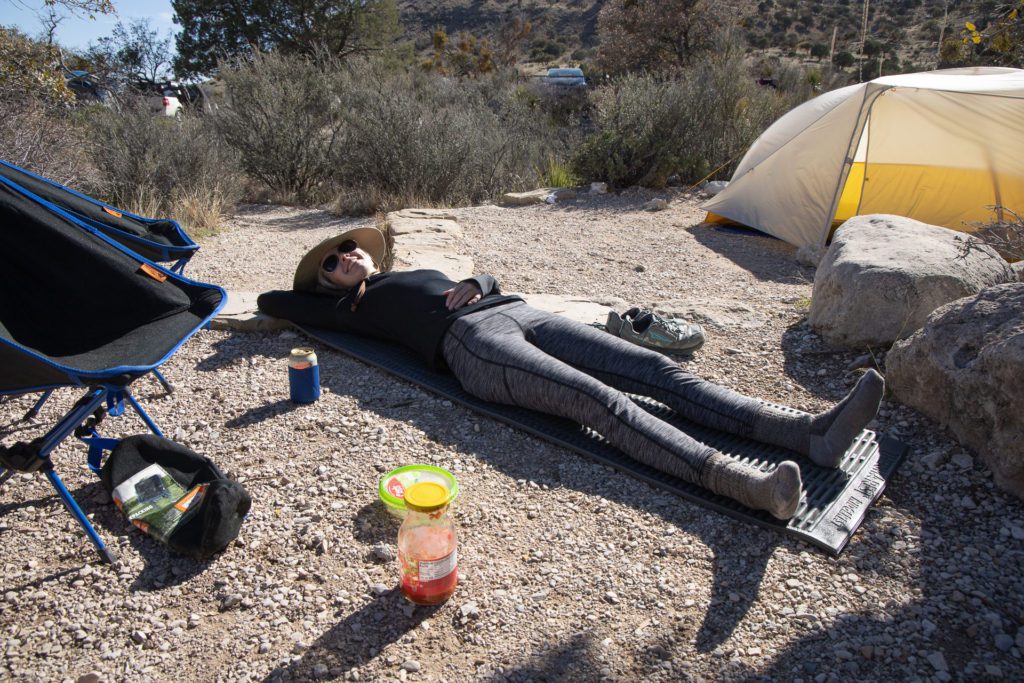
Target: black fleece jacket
407 307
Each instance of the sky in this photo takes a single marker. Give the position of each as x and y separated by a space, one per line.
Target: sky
76 32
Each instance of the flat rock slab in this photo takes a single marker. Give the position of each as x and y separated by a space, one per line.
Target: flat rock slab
576 308
539 196
441 214
241 313
405 225
455 266
720 313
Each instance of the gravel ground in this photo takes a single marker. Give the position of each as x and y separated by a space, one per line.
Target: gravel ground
568 571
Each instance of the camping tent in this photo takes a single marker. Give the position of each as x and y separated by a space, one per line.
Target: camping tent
942 147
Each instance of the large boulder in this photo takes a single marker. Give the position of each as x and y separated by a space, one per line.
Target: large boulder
883 275
965 369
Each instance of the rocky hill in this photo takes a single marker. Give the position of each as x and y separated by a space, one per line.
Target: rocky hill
904 34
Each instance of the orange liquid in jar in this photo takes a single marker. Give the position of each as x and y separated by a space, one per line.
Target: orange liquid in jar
429 564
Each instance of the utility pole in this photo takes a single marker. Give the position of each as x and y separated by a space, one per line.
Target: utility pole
863 40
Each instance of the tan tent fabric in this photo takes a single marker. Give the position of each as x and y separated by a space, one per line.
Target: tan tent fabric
942 147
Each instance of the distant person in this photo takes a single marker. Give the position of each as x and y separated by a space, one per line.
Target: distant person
502 350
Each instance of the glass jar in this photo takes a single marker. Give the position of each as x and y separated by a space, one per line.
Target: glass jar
427 553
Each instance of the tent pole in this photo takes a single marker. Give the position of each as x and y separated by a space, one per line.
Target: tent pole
851 151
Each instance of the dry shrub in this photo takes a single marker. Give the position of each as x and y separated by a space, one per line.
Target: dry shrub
45 139
415 137
285 121
156 166
1005 234
201 212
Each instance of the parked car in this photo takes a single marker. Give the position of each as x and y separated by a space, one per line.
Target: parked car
162 98
565 78
86 87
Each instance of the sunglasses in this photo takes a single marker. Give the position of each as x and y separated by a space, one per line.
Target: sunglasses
331 262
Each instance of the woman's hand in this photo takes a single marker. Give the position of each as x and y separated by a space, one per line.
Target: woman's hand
462 294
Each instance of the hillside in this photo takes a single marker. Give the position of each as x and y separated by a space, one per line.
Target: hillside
904 33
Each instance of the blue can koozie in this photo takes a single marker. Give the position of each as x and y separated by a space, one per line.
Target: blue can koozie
303 376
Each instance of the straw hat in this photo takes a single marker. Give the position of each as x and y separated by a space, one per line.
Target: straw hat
370 240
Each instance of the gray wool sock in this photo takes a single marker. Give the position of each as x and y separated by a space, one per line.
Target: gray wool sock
826 436
833 431
777 491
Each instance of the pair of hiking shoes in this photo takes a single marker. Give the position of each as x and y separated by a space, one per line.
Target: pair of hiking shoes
649 329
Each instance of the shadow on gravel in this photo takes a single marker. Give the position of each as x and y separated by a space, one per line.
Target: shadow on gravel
261 413
821 370
576 660
228 351
356 639
301 220
753 252
375 525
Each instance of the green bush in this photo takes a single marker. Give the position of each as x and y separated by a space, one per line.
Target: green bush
420 137
647 129
157 166
285 121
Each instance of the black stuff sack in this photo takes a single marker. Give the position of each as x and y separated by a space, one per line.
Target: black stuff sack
175 495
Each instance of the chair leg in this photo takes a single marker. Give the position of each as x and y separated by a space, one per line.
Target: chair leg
78 414
142 413
106 554
34 410
168 387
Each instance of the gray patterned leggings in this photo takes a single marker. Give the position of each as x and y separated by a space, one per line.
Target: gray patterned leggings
522 356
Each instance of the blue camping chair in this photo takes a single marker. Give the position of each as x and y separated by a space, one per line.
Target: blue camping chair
156 239
79 309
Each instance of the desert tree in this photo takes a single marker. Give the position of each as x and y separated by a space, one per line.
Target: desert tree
657 35
134 52
212 30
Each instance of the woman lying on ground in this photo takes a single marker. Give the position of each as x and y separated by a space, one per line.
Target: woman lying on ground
500 349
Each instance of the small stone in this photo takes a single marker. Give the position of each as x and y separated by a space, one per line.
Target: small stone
411 665
794 583
470 610
1004 642
611 597
139 637
91 677
938 661
656 204
379 589
962 460
1017 533
230 601
320 670
598 188
383 552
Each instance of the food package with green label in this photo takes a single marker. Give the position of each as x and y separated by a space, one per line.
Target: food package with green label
156 503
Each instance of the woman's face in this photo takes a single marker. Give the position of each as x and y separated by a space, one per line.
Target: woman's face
349 268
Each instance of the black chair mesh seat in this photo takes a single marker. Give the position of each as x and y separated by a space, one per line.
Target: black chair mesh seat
154 238
74 306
